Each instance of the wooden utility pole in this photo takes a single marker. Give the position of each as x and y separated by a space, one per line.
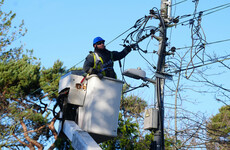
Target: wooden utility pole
159 133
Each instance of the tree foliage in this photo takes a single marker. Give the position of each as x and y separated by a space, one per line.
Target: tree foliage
24 107
50 78
218 129
127 136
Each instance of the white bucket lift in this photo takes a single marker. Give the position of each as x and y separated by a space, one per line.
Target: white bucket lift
98 101
99 114
77 90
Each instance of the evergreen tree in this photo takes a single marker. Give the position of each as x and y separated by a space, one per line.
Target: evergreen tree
218 129
24 106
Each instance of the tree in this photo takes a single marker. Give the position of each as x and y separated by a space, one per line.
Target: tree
24 115
26 92
18 79
218 129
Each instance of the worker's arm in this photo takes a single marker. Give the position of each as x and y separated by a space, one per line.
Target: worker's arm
122 54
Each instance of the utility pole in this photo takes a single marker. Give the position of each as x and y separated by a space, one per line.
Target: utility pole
158 143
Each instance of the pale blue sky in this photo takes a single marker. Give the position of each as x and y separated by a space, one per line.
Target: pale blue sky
64 30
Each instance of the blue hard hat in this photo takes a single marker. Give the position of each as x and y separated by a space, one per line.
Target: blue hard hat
97 39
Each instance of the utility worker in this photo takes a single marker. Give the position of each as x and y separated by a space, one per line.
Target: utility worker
100 61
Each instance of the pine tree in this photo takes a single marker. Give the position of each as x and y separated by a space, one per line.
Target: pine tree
25 91
218 129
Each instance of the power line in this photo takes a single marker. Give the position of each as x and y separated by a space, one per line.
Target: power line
193 67
221 7
226 5
217 7
204 44
119 35
178 2
216 10
222 57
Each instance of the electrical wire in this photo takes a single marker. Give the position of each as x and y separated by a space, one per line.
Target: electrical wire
221 7
215 42
216 61
196 64
216 10
138 24
154 67
197 37
224 6
178 3
138 35
170 34
120 35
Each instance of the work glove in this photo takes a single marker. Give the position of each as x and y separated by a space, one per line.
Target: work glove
134 46
100 75
128 48
93 71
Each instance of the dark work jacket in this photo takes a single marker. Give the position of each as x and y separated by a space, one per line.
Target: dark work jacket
107 61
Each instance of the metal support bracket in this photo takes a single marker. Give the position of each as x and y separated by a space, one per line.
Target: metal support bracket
164 75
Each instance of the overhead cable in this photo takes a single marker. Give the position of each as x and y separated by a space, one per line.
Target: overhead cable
119 36
217 10
221 7
196 36
178 3
224 6
180 70
207 61
204 44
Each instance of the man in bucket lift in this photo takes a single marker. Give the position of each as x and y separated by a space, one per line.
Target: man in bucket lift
100 61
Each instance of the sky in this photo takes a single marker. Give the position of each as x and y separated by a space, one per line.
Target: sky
64 30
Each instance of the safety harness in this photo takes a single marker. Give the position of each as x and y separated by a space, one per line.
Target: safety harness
99 63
